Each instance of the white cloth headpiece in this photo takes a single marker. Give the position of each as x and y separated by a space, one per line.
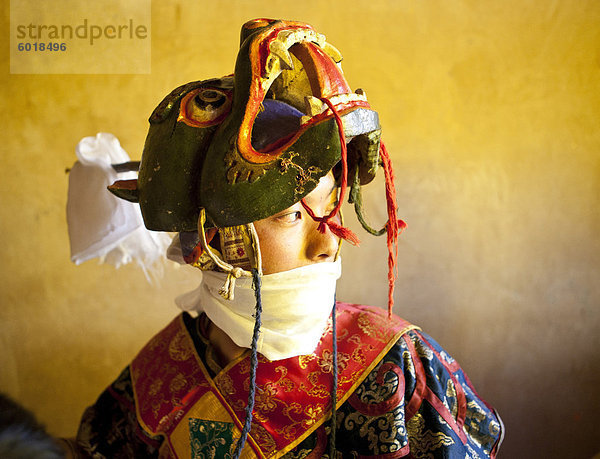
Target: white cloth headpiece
100 224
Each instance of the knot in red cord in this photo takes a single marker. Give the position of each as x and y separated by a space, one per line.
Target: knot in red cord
327 222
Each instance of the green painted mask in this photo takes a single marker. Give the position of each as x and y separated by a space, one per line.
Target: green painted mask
249 145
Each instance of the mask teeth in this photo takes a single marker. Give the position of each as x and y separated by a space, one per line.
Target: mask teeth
290 37
281 51
280 58
314 106
332 51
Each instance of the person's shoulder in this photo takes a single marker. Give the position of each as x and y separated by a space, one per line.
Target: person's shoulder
421 386
426 362
111 426
176 336
372 316
439 396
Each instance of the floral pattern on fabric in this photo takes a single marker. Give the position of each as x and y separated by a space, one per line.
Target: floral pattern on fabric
415 402
211 439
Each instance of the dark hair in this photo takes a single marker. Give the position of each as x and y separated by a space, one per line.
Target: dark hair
22 436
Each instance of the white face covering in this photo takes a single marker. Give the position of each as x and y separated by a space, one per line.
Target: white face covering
295 307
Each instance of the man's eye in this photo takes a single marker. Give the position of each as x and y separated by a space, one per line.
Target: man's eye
290 217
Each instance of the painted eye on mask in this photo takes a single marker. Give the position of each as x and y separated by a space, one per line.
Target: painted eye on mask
204 107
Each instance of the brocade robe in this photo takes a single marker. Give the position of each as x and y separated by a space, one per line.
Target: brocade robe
399 395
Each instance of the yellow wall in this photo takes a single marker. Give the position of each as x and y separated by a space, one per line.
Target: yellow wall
491 111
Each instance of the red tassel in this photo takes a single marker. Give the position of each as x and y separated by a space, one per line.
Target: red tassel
344 233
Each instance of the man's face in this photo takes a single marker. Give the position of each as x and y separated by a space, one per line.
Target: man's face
289 239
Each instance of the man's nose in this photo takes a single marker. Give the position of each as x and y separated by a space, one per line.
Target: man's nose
322 246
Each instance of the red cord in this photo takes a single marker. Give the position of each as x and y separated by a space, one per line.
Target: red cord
324 222
394 226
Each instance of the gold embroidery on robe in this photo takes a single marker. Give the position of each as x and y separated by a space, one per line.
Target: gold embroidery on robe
421 441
